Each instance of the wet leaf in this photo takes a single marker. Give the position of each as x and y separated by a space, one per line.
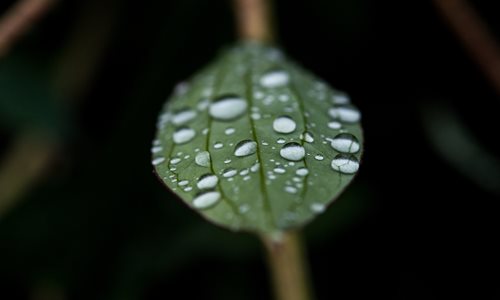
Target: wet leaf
253 142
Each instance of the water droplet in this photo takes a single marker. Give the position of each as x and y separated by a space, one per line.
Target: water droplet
226 161
274 79
319 157
334 125
279 170
318 207
244 172
206 199
156 142
302 171
183 182
291 189
255 167
308 137
203 104
156 149
284 97
188 189
255 116
207 181
340 98
346 143
229 172
181 88
348 114
229 131
345 163
158 161
293 151
227 108
202 159
218 145
284 124
245 148
175 161
183 116
183 135
244 208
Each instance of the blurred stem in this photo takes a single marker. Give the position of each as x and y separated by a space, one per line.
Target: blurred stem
287 264
474 34
20 18
254 20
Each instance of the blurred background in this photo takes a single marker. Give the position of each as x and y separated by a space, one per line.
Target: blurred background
83 217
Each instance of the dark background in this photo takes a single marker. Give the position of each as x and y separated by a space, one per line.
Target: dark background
414 224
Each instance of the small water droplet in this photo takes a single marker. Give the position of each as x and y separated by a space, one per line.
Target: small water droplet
291 189
302 171
244 172
202 159
348 114
207 181
206 199
255 167
183 182
281 141
203 104
255 116
229 172
279 170
227 161
156 142
345 163
244 208
284 124
293 151
284 97
183 135
158 161
218 145
188 189
183 116
308 137
245 148
274 79
340 98
319 157
175 161
227 108
229 131
318 207
346 143
156 149
246 178
334 125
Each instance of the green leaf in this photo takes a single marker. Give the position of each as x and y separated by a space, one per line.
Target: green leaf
253 142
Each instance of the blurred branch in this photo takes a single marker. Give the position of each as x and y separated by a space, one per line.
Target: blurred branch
31 154
474 34
253 19
25 161
18 19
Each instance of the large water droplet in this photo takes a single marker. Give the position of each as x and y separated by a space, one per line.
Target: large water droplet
183 116
206 199
274 79
227 108
348 114
345 163
346 143
207 181
284 124
202 159
245 148
229 172
183 135
293 151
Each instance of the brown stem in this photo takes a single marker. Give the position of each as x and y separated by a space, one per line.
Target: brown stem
18 19
474 34
287 266
253 19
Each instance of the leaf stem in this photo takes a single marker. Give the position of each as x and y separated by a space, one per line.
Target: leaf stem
253 18
288 266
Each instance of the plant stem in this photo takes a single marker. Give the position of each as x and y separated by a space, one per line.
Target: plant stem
287 265
474 34
253 18
18 19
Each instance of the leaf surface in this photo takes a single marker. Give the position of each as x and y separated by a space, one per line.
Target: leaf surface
254 142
